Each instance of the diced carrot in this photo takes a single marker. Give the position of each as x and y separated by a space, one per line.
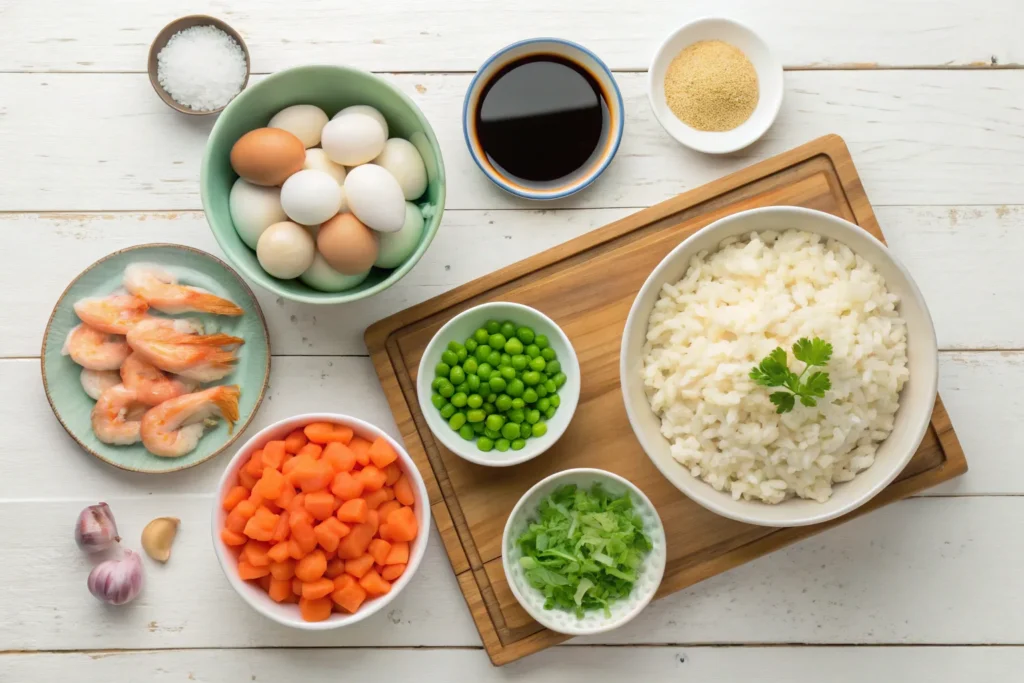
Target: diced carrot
373 522
264 582
270 485
239 516
346 487
348 594
355 544
248 572
373 584
294 442
335 568
255 553
272 506
279 589
326 432
247 480
298 503
265 518
399 553
326 536
402 525
299 515
279 552
232 538
320 504
297 585
392 572
340 456
359 566
255 530
282 530
381 453
339 527
386 509
288 494
373 478
288 457
255 497
273 454
314 590
235 496
312 566
315 610
311 450
361 447
283 570
379 549
303 534
315 475
290 466
255 464
403 491
295 550
377 498
331 554
394 473
353 511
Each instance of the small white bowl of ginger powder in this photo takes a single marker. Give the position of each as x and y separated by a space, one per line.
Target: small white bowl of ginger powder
715 86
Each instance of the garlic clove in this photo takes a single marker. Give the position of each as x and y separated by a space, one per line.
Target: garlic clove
95 530
117 581
158 536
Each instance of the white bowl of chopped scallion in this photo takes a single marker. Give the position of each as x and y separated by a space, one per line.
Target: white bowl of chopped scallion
584 551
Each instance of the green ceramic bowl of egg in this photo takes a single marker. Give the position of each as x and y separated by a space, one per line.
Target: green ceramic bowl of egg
239 210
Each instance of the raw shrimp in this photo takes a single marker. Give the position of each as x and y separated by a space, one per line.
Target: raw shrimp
116 418
149 382
95 382
115 314
162 291
95 350
177 346
174 427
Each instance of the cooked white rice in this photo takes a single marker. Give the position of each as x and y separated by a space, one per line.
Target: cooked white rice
731 309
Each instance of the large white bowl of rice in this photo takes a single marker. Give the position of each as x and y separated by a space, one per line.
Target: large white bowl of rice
722 301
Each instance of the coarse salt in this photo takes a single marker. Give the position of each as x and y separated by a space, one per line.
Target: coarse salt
201 68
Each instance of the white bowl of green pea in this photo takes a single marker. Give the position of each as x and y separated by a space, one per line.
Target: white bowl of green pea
498 384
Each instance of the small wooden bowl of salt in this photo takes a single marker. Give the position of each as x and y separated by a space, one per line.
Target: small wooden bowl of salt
198 64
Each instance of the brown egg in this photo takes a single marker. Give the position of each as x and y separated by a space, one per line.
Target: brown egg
267 156
347 245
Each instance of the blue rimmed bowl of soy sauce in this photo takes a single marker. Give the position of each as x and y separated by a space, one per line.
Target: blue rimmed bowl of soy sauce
543 118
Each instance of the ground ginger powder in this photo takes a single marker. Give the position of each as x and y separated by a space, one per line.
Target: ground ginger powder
711 86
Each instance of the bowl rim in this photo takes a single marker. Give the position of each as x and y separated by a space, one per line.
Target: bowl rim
696 143
416 557
461 448
540 617
264 280
584 181
703 493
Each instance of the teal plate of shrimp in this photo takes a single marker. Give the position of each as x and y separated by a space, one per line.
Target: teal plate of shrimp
156 358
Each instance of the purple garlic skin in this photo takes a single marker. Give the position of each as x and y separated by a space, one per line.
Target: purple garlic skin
117 582
95 530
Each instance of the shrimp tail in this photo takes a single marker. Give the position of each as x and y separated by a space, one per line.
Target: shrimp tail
211 303
226 400
220 340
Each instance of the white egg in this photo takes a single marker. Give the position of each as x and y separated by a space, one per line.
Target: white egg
396 247
304 121
401 159
286 250
310 197
353 139
369 111
375 197
321 276
317 160
254 209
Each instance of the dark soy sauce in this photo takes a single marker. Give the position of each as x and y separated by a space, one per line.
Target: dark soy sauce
541 118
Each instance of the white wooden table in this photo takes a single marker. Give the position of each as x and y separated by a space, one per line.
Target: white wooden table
928 95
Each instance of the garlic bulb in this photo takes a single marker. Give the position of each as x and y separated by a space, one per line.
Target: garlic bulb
95 530
117 581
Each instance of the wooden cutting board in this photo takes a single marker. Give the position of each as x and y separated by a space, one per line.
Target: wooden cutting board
587 286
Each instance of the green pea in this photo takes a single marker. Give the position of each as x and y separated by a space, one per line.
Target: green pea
551 386
541 341
547 354
506 360
525 335
485 389
442 369
449 358
493 327
520 361
525 430
491 398
542 391
532 350
467 433
495 422
543 404
554 400
510 430
436 383
531 378
475 401
538 364
497 383
550 413
476 415
489 403
504 403
559 379
480 336
496 341
478 428
454 345
447 410
484 444
437 400
459 400
484 371
515 387
516 416
502 445
508 329
518 404
507 372
457 375
553 368
494 358
456 421
447 389
471 345
518 444
533 416
482 352
463 387
530 396
473 382
470 366
461 354
513 346
540 429
491 434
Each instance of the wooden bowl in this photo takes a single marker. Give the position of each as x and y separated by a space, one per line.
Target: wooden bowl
165 35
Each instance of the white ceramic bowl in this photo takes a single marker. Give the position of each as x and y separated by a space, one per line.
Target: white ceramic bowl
459 329
287 614
769 77
532 599
916 400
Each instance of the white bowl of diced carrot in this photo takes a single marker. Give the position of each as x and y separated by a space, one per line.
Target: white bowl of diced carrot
320 521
